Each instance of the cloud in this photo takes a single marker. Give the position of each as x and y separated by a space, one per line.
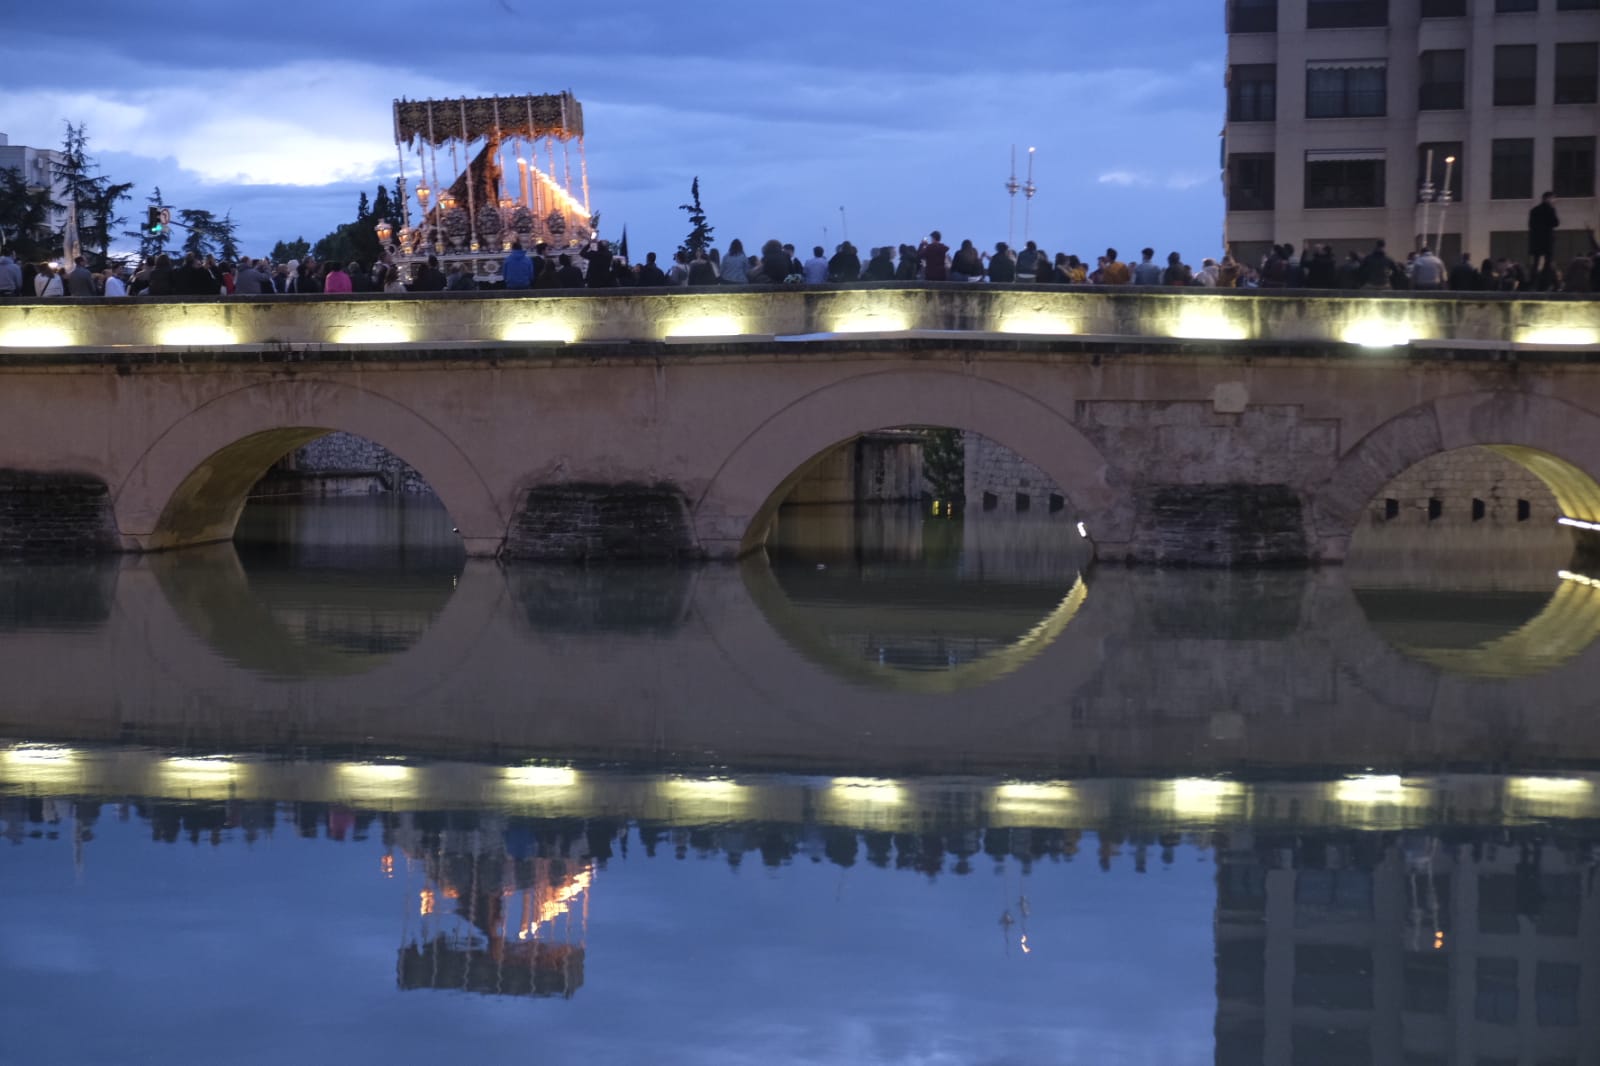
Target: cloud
1122 177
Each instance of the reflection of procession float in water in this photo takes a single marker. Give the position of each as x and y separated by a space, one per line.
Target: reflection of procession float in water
474 218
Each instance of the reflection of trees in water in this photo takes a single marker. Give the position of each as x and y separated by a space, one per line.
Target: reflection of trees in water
628 599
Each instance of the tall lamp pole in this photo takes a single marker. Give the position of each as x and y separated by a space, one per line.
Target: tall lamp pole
1425 194
1012 185
1028 189
844 225
1445 196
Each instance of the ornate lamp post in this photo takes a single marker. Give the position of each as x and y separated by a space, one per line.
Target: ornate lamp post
1445 196
385 233
1012 185
1425 193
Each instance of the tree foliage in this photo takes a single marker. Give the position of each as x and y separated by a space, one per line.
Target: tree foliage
201 225
357 241
296 249
25 217
699 239
91 196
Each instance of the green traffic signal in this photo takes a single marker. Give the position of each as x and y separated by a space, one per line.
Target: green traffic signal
153 223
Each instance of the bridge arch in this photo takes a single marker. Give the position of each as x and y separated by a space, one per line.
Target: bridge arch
1556 441
190 484
733 513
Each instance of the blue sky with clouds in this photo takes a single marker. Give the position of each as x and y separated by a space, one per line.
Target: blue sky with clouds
903 112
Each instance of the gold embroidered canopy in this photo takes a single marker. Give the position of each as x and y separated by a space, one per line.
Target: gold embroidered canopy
438 122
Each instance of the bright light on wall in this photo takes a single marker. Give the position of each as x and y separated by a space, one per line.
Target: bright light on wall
546 330
36 337
195 335
874 790
44 765
1203 797
705 326
372 333
1036 323
876 322
1562 788
1206 324
1560 335
1034 799
1376 333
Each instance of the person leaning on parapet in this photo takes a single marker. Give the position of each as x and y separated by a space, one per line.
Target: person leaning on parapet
428 278
111 283
249 280
1148 271
1427 271
10 276
1377 268
1113 272
80 280
517 270
1542 223
650 275
934 254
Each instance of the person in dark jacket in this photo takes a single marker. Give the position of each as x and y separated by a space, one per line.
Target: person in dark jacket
649 273
193 279
1464 276
1321 269
881 266
517 270
569 275
599 257
1542 223
1377 268
430 278
845 264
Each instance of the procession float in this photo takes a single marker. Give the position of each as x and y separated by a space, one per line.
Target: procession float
500 187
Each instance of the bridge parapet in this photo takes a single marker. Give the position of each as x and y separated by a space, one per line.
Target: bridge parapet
424 321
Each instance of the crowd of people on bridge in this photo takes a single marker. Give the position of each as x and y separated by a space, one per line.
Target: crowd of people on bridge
597 265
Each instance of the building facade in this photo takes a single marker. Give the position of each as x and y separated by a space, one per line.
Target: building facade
38 169
1337 107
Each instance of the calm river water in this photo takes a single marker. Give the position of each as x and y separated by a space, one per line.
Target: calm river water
911 790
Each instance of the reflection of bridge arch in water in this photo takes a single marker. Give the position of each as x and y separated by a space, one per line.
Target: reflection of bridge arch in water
783 614
1564 629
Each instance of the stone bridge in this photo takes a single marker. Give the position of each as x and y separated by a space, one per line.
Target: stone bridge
1203 428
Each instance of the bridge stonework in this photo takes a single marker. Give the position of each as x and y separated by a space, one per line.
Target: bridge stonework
1181 428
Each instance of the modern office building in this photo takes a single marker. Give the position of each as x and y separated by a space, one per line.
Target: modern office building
1336 107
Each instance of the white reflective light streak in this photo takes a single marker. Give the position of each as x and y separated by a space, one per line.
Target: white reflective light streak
1371 788
1577 523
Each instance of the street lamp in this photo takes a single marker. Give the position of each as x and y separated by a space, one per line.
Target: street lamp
1028 189
1012 185
1445 196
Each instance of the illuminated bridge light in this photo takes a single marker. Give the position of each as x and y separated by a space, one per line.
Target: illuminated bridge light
704 326
196 335
1550 788
1037 323
1210 324
372 333
872 322
873 790
541 776
1561 335
36 337
1202 797
547 330
1376 333
1034 799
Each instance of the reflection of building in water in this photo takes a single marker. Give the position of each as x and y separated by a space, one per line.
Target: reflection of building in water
504 908
1364 948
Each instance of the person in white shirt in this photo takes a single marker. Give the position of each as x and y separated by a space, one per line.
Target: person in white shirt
1427 271
114 285
815 270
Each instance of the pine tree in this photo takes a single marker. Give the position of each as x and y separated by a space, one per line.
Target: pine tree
25 217
296 249
699 239
944 464
92 196
225 232
202 226
363 208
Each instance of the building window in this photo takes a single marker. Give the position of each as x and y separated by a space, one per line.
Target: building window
1251 182
1426 983
1497 1000
1349 90
1511 169
1253 92
1444 9
1555 990
1442 150
1443 80
1573 170
1511 7
1516 75
1332 977
1345 14
1577 5
1253 16
1335 182
1577 72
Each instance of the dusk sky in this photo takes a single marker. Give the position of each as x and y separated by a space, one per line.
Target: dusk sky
903 112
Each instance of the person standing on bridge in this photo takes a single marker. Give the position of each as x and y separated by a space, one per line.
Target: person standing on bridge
934 254
517 270
10 276
1542 223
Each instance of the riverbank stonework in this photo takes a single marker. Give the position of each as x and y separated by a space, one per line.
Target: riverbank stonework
352 465
602 523
54 514
996 476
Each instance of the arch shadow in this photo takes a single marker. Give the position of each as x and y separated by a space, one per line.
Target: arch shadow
732 515
1548 437
190 485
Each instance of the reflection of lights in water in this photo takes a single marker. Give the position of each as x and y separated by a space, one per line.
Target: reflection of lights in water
1203 797
1576 523
426 902
1026 950
42 765
379 781
1082 531
874 790
1549 787
1381 788
386 864
1034 799
541 776
218 773
556 904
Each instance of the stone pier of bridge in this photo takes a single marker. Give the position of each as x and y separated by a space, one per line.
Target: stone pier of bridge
1181 427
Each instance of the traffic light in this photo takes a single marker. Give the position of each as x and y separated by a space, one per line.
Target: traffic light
153 224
